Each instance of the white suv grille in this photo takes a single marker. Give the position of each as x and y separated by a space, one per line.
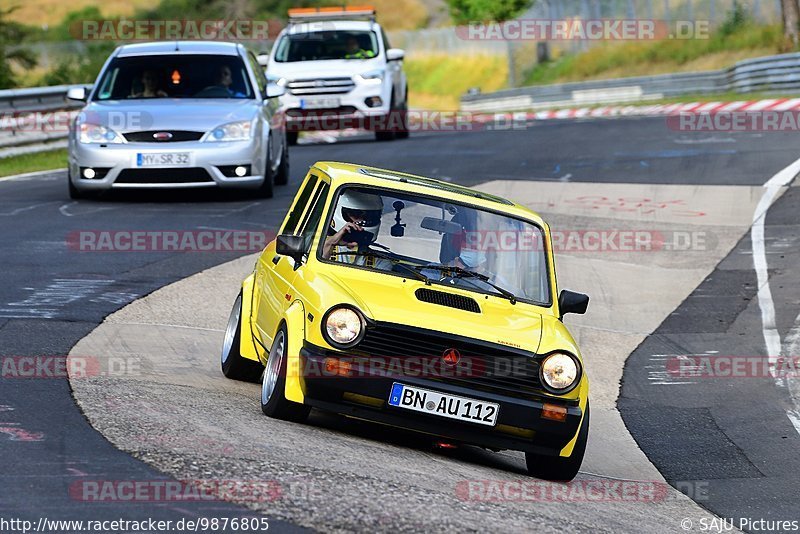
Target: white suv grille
322 86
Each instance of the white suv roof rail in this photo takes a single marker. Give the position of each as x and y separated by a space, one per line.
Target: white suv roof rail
312 14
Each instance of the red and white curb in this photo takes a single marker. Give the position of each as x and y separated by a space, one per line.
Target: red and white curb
777 104
504 118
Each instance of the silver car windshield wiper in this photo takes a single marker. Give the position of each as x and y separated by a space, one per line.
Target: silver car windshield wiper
460 272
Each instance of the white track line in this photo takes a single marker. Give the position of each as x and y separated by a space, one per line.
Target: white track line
31 174
771 336
791 350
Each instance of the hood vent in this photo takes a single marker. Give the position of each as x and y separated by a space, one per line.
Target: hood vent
448 299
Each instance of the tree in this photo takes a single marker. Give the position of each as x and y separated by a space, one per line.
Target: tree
791 19
464 11
12 33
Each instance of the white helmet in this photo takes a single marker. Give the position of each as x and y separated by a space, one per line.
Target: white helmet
362 208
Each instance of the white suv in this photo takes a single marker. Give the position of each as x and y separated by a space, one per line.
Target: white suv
339 72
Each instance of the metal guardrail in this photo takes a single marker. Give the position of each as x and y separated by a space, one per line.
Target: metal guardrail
37 99
23 114
776 74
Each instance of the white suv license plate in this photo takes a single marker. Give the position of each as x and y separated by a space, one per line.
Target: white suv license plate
319 103
160 159
444 404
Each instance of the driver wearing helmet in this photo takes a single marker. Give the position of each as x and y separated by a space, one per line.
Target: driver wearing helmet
355 226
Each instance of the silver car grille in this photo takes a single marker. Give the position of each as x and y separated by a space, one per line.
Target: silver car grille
322 86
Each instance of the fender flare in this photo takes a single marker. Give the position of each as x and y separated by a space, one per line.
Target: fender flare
248 347
566 452
295 322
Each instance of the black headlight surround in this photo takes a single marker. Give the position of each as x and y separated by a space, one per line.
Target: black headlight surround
336 344
578 376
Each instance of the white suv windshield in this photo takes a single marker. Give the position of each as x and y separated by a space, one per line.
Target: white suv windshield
448 243
315 46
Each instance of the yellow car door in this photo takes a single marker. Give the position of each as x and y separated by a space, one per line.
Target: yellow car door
275 272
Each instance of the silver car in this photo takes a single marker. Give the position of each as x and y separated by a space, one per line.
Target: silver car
178 115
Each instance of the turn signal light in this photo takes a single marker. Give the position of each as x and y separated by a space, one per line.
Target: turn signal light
337 367
554 412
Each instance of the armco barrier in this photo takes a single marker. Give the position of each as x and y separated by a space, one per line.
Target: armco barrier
15 103
776 74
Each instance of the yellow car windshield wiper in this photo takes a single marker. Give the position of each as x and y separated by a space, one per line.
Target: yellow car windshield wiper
411 270
460 272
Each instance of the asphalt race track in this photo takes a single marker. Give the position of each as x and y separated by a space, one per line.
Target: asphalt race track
729 443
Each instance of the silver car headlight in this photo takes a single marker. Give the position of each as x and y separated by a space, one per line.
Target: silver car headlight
233 131
560 372
276 80
374 77
343 327
96 133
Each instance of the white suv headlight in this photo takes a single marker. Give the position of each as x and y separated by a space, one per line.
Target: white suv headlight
271 78
233 131
373 77
95 133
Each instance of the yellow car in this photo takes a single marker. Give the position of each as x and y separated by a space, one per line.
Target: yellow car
419 304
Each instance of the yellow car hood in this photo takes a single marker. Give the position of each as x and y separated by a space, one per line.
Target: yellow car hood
392 299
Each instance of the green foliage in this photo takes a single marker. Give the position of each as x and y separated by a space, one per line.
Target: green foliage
736 19
69 28
465 11
216 9
80 69
642 58
12 33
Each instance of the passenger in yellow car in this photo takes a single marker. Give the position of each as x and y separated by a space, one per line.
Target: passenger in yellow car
458 251
353 50
356 223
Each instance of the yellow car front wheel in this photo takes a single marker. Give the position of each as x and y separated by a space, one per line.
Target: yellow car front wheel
273 383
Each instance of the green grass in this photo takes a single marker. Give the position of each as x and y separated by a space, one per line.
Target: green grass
37 161
437 81
720 50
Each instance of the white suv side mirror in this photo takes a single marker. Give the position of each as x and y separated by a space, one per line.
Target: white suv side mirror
274 90
263 59
395 54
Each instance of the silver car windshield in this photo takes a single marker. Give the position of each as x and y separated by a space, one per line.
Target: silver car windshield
448 243
175 76
323 45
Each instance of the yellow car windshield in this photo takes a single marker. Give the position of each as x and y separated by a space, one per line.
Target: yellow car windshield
446 242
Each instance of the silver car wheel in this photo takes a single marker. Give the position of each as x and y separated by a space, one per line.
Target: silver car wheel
230 331
273 369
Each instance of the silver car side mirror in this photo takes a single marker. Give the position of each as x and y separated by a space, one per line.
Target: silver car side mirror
77 93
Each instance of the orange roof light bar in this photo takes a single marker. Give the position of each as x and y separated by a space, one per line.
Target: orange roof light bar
317 13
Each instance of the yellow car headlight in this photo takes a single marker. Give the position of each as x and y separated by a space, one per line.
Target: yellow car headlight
343 327
560 372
